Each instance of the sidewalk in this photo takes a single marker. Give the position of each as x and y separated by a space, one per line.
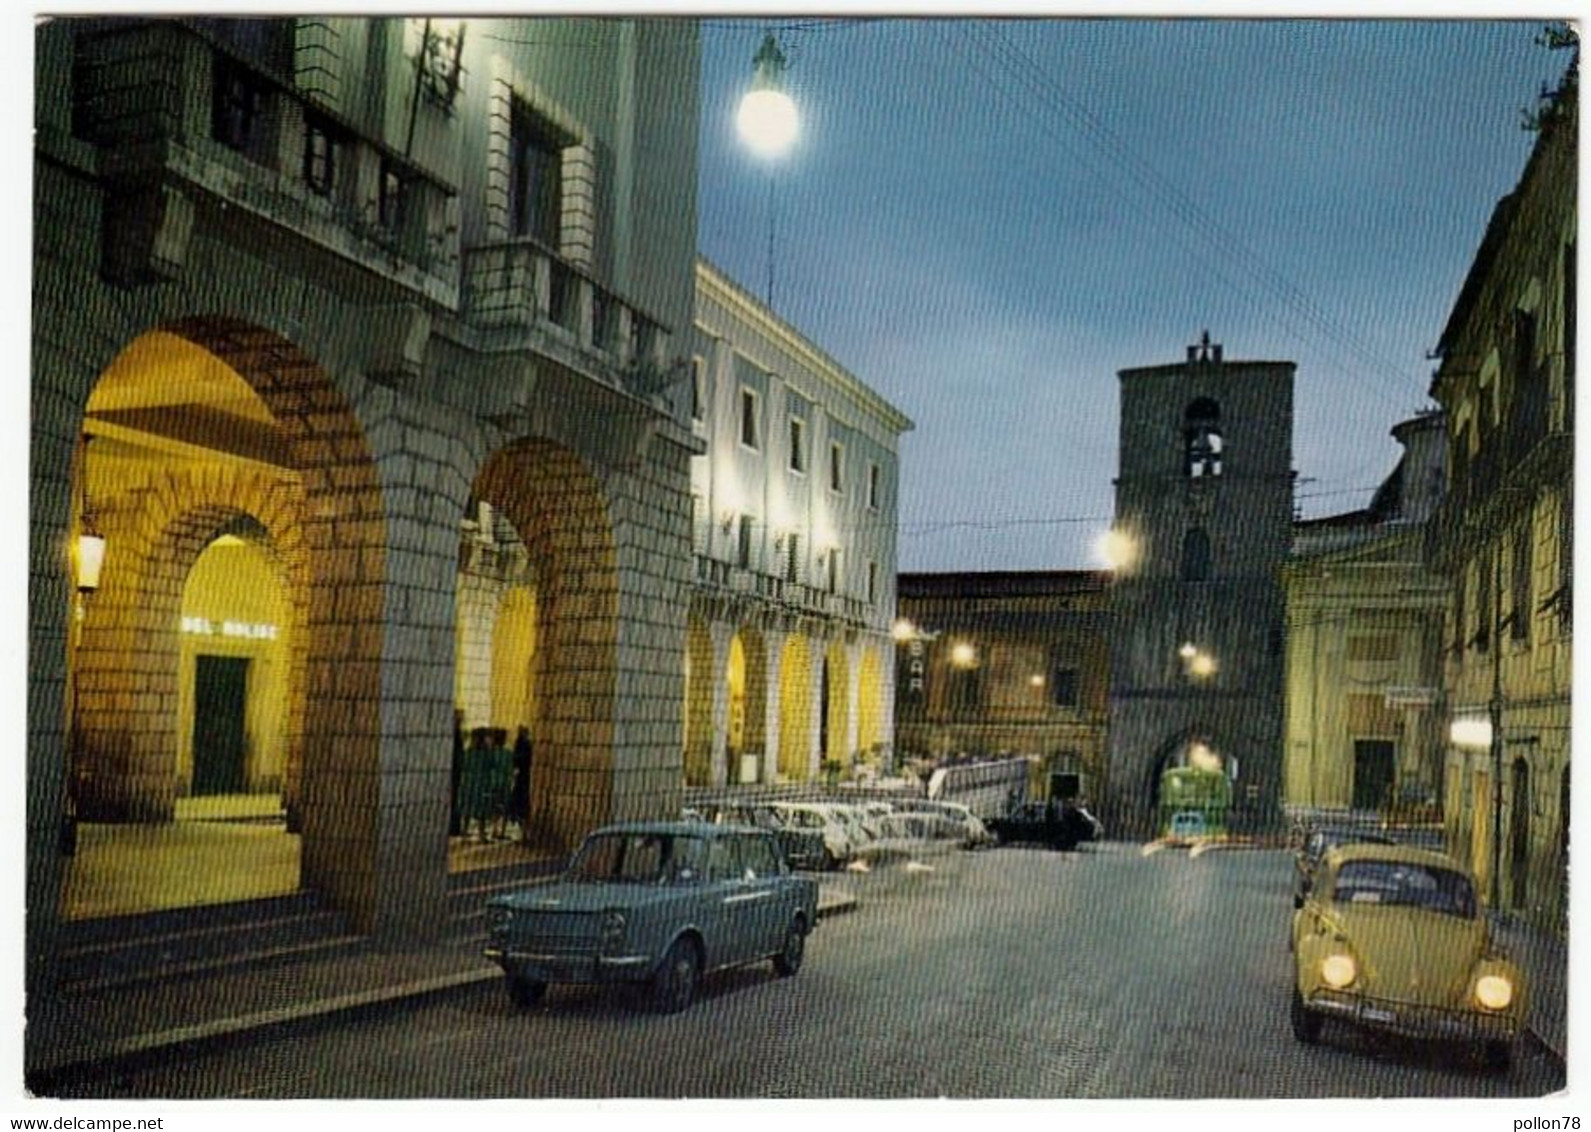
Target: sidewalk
84 1033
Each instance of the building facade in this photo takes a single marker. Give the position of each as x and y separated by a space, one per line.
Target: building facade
1204 508
363 345
1364 647
790 663
1505 535
997 664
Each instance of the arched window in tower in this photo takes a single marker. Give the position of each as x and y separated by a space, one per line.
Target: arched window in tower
1201 432
1196 556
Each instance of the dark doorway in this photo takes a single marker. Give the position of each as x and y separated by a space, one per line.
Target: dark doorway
1372 773
1519 840
823 711
220 695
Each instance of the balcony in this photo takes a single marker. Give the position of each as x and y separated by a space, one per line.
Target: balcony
185 117
527 296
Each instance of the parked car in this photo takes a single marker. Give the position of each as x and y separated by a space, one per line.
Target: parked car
1058 825
912 836
803 848
841 839
1317 842
975 832
1393 939
658 904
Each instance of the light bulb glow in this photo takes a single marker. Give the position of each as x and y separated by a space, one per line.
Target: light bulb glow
768 122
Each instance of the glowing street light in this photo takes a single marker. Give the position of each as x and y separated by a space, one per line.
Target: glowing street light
963 655
1117 549
767 118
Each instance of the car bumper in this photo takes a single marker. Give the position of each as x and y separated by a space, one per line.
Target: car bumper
1416 1020
570 967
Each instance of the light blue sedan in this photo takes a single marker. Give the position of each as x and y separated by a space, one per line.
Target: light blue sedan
658 903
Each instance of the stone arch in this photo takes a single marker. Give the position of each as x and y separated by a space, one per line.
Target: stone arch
128 657
560 512
1170 753
870 705
331 528
837 704
700 687
797 712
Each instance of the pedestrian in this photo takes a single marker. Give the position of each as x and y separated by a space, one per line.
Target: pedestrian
521 796
475 784
500 783
456 816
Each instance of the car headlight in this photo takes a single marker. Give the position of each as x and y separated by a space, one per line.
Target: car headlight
1494 992
612 928
1338 970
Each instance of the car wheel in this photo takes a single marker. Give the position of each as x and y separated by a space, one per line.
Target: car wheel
525 993
674 982
1306 1023
1498 1056
788 961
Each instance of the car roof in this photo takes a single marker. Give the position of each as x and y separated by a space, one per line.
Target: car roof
1398 854
675 828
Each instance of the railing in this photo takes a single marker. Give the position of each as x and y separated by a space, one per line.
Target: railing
521 286
170 103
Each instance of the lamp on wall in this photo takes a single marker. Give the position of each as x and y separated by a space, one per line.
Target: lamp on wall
726 519
90 543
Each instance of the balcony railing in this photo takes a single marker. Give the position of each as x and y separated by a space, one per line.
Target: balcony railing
174 105
524 289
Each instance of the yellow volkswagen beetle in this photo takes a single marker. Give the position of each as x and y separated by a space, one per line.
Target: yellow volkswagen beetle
1394 939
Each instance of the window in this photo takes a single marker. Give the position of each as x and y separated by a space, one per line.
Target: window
759 857
872 582
535 177
964 690
748 418
792 562
834 571
1460 612
237 108
874 485
1483 602
320 155
698 387
1063 685
798 445
743 549
1201 432
1196 556
393 204
836 467
1519 576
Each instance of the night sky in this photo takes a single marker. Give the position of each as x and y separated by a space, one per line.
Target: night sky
986 220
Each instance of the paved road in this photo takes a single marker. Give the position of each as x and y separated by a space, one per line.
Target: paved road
1006 973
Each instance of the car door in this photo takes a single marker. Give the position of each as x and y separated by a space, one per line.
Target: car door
736 903
770 901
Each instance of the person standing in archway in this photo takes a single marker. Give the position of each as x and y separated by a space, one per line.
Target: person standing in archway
520 807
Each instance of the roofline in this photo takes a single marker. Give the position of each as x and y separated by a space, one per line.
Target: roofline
728 290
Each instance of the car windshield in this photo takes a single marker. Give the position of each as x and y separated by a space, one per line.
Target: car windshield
1396 882
640 858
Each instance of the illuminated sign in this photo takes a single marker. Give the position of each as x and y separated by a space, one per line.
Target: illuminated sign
204 627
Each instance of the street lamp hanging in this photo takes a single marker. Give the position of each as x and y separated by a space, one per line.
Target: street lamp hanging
767 118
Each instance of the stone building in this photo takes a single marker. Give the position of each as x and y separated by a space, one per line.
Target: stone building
1504 536
1015 664
1204 508
1364 646
790 661
327 313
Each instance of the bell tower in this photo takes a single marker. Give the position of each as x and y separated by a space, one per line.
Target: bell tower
1204 507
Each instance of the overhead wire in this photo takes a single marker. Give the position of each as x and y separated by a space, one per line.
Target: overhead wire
1017 65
